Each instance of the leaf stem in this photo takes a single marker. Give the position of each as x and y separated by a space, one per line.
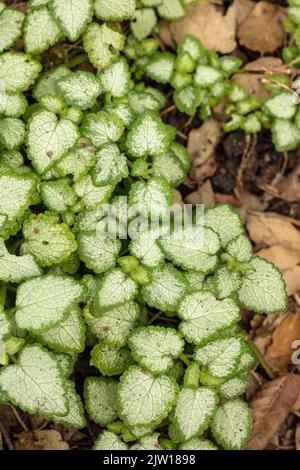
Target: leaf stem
155 317
260 357
184 358
77 60
11 311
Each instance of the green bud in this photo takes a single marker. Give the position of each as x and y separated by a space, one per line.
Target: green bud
237 93
115 427
233 124
134 269
181 80
248 105
185 63
13 345
251 124
166 444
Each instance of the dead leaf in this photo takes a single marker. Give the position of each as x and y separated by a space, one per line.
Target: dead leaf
271 229
262 30
203 195
283 337
227 199
292 280
296 405
297 437
203 141
281 255
270 407
165 34
202 172
205 21
289 187
265 64
40 440
253 74
241 9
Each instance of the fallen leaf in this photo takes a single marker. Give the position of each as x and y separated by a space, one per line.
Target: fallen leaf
292 280
282 256
227 199
165 34
203 141
271 229
289 187
202 172
177 197
241 9
253 74
203 195
40 440
283 337
262 30
270 407
267 64
297 437
262 343
205 21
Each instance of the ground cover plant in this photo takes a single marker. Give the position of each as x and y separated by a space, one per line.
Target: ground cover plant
156 312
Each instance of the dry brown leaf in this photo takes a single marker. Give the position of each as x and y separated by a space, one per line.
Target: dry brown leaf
292 280
296 405
241 9
177 197
265 64
255 72
281 255
202 172
40 440
165 34
227 199
270 407
271 229
283 338
205 21
203 195
289 187
262 30
203 141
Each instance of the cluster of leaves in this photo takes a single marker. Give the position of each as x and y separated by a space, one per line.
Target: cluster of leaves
202 80
291 52
49 21
159 312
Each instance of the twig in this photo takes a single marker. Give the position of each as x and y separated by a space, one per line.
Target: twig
183 136
294 62
154 318
160 41
243 165
285 163
6 437
188 122
168 110
278 84
260 357
19 419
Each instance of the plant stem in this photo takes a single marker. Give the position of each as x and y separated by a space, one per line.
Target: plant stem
11 311
77 60
260 357
184 358
155 317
